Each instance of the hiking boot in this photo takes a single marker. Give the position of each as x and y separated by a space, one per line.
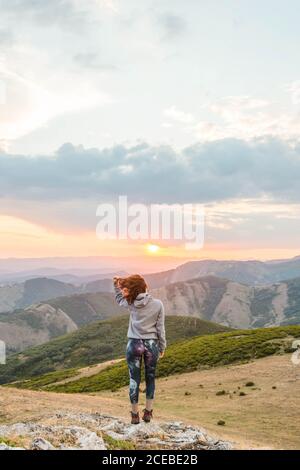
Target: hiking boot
135 418
147 416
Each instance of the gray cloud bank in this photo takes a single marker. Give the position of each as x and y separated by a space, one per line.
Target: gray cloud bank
62 13
214 171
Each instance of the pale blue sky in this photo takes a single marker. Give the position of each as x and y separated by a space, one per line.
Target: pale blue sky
133 60
211 89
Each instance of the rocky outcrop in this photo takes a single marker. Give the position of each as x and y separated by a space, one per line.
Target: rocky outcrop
233 304
34 325
83 431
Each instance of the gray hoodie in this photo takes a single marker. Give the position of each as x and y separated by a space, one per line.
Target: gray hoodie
147 317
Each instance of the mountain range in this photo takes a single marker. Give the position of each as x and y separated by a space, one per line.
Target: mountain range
234 304
15 295
212 298
250 272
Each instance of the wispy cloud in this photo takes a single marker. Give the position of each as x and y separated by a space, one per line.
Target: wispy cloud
93 60
46 72
242 117
109 4
177 115
58 12
30 103
294 89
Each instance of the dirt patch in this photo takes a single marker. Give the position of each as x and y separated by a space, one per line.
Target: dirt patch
89 371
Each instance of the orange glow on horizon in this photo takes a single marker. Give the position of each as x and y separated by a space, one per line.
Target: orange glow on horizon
21 239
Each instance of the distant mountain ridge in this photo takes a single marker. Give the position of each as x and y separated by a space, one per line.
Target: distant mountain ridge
23 294
250 272
210 298
253 273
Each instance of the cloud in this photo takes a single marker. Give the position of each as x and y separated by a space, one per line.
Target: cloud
92 60
177 115
247 223
109 4
294 89
3 146
211 171
30 103
244 117
246 187
172 25
40 78
71 14
6 37
56 12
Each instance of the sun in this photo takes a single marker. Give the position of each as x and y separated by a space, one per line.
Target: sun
153 249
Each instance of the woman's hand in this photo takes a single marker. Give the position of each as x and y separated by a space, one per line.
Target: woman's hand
116 280
161 354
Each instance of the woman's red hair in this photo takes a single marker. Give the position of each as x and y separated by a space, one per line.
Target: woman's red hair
135 284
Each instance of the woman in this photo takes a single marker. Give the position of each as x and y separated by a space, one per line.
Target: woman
146 338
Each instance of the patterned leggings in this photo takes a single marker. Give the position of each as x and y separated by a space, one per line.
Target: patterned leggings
136 349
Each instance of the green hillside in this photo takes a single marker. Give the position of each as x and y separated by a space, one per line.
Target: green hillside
183 356
91 344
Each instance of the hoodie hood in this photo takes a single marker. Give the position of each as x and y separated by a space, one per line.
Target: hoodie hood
142 299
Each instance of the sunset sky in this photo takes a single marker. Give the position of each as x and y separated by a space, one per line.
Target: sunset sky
167 102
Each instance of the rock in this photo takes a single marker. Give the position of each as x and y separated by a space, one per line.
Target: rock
6 447
174 425
69 430
87 440
17 429
41 444
220 445
116 426
144 430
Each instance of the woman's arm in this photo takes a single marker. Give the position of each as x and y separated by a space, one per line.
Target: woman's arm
118 294
161 332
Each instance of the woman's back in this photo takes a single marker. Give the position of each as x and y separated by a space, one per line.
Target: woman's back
147 317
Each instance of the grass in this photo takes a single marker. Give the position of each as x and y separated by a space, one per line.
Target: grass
11 442
187 356
117 444
95 343
44 380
